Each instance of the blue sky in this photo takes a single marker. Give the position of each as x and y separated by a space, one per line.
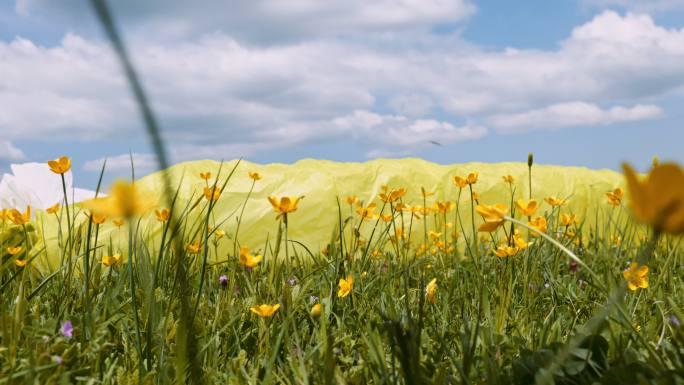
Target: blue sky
578 82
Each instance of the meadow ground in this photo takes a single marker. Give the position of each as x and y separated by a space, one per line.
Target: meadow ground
455 290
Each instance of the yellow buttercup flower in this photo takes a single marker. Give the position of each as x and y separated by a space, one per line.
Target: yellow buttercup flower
255 176
20 262
205 175
98 219
14 250
118 222
125 200
460 182
493 216
212 193
434 235
386 217
472 178
162 215
476 196
247 259
568 220
431 291
367 212
538 223
60 165
345 286
506 251
615 196
444 207
265 310
527 208
19 218
193 247
426 193
53 209
352 199
636 276
111 260
658 200
316 310
508 179
554 202
519 241
284 205
390 196
219 234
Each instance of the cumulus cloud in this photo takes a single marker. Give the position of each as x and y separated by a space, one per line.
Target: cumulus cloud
639 5
10 153
571 114
217 95
261 21
122 162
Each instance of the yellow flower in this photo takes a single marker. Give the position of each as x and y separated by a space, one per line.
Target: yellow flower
212 193
14 250
124 200
111 260
538 223
519 241
386 217
367 212
284 205
444 207
364 274
431 291
193 247
219 234
426 193
568 220
506 251
265 311
472 178
345 286
60 165
658 200
53 209
20 262
247 259
527 208
616 240
316 310
19 218
508 179
434 235
476 196
460 182
390 196
162 215
352 199
255 176
98 219
205 175
118 222
493 216
553 201
636 276
615 196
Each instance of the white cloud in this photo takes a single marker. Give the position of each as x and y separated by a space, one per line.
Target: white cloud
639 5
122 162
571 114
216 94
260 20
10 153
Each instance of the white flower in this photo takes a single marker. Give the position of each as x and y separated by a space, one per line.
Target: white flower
34 184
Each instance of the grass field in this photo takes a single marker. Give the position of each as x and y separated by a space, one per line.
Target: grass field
525 293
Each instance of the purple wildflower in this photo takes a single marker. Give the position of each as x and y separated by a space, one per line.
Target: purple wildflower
292 281
67 329
57 360
223 280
